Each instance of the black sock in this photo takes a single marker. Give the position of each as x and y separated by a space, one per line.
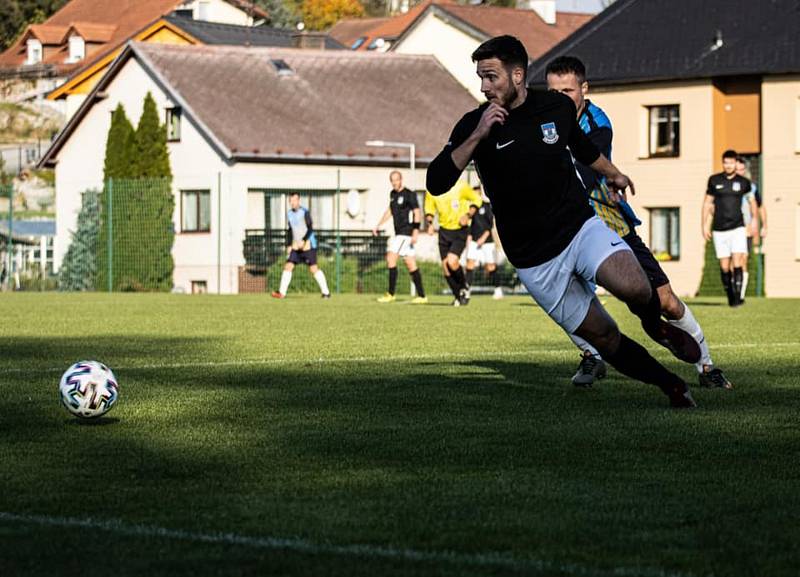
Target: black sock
650 313
493 278
727 283
452 284
392 280
417 278
458 277
633 360
469 276
738 279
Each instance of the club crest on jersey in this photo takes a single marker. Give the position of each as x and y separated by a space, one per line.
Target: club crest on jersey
550 133
400 200
737 186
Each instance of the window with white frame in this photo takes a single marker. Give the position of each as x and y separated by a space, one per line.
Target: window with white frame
174 124
77 48
34 51
664 130
195 210
665 233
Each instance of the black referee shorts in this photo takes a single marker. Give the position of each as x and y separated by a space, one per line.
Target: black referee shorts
652 269
452 241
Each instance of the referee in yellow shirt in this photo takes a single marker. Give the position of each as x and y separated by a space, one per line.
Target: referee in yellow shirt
455 208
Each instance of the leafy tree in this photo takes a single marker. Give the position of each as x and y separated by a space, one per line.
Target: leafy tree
17 14
322 14
282 13
78 270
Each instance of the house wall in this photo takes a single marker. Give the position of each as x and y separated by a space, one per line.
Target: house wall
448 44
666 182
780 116
220 11
737 117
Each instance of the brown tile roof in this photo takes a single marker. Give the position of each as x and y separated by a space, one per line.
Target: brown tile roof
93 32
527 25
348 30
537 36
323 111
127 16
47 34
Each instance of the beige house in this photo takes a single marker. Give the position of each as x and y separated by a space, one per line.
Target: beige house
697 84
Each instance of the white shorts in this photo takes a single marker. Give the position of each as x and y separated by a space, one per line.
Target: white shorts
401 244
727 242
564 285
483 254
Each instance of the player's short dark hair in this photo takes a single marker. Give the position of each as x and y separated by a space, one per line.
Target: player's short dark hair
730 153
567 65
741 159
294 193
507 49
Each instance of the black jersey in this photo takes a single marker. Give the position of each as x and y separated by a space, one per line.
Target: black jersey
527 169
402 204
727 193
481 222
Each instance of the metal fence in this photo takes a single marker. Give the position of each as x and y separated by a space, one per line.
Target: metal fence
126 237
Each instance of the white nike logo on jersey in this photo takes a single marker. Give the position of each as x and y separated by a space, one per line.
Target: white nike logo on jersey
499 146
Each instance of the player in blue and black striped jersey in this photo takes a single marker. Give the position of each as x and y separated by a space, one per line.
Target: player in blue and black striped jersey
567 75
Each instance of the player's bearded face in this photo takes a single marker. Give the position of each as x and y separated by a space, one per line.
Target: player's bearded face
496 83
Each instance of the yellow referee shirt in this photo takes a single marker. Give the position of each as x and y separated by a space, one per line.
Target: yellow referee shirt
452 205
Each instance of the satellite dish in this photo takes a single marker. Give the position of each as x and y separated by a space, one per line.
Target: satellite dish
353 203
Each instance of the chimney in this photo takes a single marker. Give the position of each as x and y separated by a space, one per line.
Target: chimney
546 9
312 40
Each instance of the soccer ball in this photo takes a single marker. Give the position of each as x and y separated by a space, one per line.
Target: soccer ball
88 389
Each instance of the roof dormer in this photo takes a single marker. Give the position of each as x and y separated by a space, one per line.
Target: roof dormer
77 48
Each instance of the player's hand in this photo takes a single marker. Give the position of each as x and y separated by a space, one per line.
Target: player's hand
618 183
430 230
763 231
375 231
464 220
494 114
707 234
306 246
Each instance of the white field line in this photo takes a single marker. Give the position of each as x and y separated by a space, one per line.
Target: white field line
483 355
488 559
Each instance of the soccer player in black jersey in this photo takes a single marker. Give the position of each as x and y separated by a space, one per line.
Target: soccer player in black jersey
723 222
523 144
567 74
404 211
481 249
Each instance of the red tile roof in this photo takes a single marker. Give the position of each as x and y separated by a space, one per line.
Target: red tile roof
348 30
96 18
527 25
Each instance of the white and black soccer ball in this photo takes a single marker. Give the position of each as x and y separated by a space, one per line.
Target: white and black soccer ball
88 389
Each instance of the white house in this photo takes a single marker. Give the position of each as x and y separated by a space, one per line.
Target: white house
246 120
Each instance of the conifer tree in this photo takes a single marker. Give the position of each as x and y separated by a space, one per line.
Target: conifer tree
78 270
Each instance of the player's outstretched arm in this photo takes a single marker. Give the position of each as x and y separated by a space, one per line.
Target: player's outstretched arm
616 181
706 216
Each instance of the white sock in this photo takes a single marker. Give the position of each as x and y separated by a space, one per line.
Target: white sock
583 345
745 277
286 278
689 324
319 276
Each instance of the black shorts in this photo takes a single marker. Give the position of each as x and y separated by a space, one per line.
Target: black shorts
303 256
652 269
452 241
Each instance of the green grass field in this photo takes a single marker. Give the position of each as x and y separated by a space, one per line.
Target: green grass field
307 437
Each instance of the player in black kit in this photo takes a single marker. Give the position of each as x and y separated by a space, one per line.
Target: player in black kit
723 222
481 247
404 211
523 144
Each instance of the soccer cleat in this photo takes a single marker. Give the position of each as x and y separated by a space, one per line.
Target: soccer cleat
456 302
680 397
592 367
463 297
498 293
675 340
387 298
278 295
714 378
419 301
326 295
